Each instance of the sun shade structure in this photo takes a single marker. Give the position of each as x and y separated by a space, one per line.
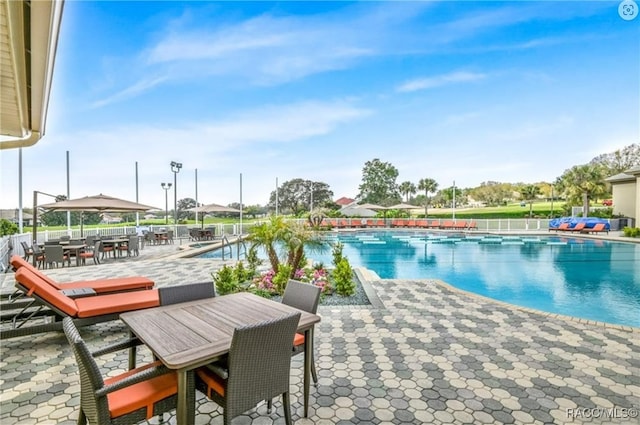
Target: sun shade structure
373 207
402 207
97 203
211 208
100 203
28 41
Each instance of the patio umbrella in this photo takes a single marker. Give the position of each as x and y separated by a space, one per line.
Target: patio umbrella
373 207
96 203
212 208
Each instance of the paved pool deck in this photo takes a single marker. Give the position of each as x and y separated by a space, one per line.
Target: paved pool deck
428 353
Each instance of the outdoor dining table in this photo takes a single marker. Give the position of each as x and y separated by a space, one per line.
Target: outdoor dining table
116 242
188 335
76 248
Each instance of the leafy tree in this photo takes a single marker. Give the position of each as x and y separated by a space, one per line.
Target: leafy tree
254 210
379 183
429 186
295 196
529 193
618 161
268 235
582 183
447 196
407 189
493 193
183 205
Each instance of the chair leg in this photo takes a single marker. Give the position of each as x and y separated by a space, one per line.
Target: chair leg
287 408
82 418
269 406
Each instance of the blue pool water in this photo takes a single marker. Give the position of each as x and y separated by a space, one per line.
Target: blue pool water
591 279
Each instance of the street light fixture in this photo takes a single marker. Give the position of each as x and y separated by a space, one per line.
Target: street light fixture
175 169
166 187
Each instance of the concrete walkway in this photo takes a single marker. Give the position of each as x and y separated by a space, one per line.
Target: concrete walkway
430 354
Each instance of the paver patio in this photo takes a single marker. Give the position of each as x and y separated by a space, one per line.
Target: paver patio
431 354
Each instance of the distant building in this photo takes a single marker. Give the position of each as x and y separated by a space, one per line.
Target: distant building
344 201
625 188
12 216
109 219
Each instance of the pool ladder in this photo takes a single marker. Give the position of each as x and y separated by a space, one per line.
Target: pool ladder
239 242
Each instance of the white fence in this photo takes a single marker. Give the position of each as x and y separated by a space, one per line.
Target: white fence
10 245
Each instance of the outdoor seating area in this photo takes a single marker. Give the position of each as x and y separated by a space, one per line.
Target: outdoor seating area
428 354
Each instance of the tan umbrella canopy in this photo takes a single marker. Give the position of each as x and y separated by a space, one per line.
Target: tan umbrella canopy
97 203
211 208
402 206
373 207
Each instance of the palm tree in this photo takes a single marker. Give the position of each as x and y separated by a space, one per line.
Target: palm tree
583 182
529 193
407 188
268 235
429 186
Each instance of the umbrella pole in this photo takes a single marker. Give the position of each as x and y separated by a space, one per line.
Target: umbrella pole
81 224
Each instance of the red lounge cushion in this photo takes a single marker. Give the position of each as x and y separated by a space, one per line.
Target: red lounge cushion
213 381
117 303
143 394
19 262
35 285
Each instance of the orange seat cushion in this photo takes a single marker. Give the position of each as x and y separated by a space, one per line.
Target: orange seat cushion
18 262
213 381
298 339
35 285
117 303
116 284
143 394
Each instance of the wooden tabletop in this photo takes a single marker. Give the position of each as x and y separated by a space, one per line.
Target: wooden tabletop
191 334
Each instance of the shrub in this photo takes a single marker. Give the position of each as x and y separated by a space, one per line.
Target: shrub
253 261
343 278
281 278
631 232
7 227
337 253
226 280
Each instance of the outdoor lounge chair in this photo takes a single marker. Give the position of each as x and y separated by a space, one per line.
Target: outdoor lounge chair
81 304
100 286
597 228
577 228
131 397
258 368
563 226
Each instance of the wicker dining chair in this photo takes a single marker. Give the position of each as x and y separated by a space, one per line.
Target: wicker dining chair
54 254
93 252
257 368
28 251
133 396
305 297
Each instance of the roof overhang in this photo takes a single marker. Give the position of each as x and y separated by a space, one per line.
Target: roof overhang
29 32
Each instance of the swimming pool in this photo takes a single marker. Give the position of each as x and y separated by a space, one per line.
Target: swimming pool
586 278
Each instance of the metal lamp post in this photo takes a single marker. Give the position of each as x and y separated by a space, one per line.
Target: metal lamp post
166 187
175 169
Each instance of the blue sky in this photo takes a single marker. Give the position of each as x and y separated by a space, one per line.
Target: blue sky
464 91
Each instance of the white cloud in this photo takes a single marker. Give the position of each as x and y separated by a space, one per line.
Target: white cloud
441 80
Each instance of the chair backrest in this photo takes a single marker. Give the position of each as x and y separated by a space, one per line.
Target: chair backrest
133 243
18 262
303 296
95 408
89 240
65 237
259 363
54 253
183 293
25 247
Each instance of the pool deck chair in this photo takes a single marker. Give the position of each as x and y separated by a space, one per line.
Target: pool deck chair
563 226
100 286
577 228
597 228
83 305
